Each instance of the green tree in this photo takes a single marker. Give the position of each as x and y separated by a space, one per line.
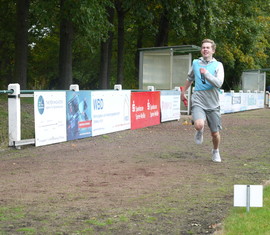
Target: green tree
106 54
104 37
87 26
65 49
241 38
21 42
7 35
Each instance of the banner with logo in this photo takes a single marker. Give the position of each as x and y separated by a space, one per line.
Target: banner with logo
236 102
50 117
79 119
110 111
170 105
260 100
145 109
225 102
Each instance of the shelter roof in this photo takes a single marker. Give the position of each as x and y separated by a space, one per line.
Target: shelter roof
181 49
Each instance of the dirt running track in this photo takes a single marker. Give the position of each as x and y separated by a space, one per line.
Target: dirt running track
153 180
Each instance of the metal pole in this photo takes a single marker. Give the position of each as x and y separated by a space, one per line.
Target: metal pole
141 72
171 69
248 198
6 91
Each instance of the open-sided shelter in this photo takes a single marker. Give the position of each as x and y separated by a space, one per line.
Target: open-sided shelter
165 67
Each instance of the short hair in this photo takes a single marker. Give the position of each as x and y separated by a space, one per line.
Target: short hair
210 41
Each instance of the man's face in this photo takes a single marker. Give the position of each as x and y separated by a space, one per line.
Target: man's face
207 51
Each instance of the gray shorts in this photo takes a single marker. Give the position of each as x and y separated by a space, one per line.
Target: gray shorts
213 117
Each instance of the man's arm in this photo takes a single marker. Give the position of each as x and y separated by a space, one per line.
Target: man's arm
184 89
217 79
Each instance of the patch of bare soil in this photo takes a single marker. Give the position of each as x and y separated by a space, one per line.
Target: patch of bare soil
153 180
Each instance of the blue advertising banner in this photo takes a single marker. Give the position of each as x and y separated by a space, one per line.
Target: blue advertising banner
79 119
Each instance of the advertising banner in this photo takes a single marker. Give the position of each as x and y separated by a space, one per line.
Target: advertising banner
251 101
145 109
260 99
79 120
237 102
255 100
222 101
110 111
50 117
226 103
170 105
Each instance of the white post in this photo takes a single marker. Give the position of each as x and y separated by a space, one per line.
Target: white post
14 114
150 88
118 87
74 87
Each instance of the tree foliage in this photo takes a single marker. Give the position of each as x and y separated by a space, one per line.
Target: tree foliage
106 36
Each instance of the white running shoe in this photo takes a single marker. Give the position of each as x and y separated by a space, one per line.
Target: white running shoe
216 156
198 137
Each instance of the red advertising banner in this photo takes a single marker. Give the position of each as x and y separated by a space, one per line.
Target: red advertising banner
145 109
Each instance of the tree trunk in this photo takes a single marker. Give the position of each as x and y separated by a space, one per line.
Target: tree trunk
65 51
163 32
105 57
137 56
21 42
120 51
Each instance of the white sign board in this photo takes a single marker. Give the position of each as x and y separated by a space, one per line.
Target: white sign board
170 105
240 195
110 111
50 117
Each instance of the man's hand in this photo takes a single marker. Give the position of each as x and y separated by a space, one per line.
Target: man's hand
184 99
183 96
203 70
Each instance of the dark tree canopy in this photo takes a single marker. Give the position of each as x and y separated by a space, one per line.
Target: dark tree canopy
50 44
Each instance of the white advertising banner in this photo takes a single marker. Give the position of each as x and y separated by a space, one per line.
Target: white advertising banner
50 117
110 111
222 101
251 101
260 98
226 103
170 105
236 102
